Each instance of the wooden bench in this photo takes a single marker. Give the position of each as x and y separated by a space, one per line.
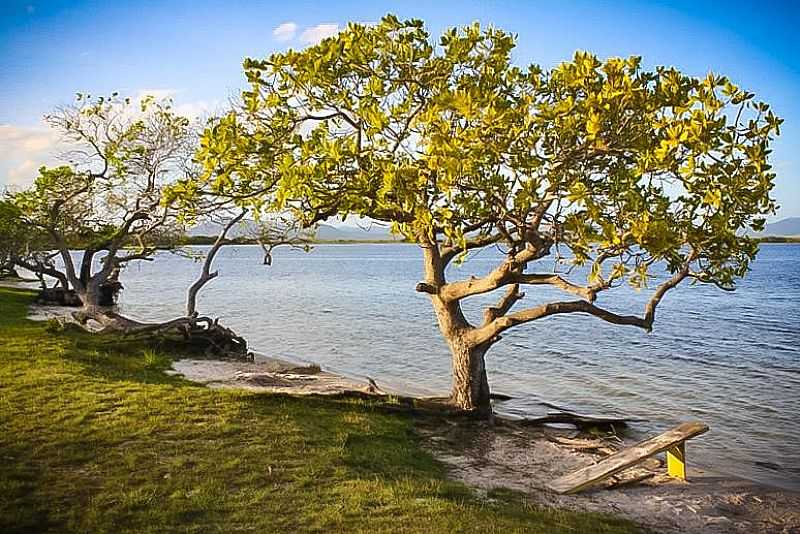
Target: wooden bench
672 441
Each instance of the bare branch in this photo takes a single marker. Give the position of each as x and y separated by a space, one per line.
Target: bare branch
506 302
587 293
500 324
206 275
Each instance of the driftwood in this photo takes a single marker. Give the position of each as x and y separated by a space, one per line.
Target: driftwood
582 444
583 478
580 421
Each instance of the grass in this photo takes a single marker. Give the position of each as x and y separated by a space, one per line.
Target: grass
95 437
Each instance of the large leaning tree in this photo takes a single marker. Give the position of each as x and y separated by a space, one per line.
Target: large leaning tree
623 175
104 207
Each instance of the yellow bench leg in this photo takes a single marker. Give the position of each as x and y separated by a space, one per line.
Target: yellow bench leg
676 461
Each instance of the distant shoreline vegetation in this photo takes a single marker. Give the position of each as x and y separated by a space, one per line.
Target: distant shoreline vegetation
778 239
209 240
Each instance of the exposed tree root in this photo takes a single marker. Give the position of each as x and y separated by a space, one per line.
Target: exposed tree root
199 333
582 422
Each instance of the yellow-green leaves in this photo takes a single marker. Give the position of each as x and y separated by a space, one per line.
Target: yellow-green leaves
614 162
593 124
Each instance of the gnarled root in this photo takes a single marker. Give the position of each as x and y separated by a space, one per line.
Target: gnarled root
197 332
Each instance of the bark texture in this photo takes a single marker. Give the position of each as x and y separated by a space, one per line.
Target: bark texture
470 383
202 333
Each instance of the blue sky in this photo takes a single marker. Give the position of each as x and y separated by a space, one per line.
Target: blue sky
193 51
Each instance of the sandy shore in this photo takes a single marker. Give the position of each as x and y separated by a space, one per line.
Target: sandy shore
270 375
525 459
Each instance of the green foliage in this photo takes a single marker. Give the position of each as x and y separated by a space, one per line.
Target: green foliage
625 167
96 437
18 239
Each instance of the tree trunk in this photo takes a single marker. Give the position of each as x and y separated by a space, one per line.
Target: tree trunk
470 385
90 300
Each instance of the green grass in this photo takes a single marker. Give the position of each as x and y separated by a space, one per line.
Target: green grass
95 437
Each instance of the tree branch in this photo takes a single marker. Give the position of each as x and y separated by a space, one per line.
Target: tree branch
449 252
502 323
586 293
206 275
506 302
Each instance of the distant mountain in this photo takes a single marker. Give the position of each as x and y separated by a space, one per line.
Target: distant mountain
211 229
784 228
374 232
326 232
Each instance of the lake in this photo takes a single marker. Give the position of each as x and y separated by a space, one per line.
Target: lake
731 360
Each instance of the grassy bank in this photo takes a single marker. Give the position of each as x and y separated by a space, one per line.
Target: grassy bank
95 437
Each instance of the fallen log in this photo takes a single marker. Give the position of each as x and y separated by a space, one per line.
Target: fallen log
580 421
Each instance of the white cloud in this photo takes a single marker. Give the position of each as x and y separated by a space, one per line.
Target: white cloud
23 150
23 174
319 32
285 32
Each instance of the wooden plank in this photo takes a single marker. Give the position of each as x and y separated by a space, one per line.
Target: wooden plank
583 478
676 461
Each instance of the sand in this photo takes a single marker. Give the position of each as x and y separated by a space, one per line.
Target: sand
524 459
265 374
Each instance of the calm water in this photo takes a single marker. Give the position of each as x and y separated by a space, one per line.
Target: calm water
731 360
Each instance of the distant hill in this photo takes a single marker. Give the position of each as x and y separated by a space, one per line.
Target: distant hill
374 232
785 227
326 232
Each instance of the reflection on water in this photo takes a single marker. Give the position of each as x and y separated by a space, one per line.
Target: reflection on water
731 360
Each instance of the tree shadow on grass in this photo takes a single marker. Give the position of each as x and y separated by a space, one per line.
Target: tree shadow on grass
368 442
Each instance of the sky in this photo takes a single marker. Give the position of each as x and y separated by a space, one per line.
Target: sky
193 52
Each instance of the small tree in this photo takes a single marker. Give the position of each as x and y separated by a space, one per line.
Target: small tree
23 246
631 171
108 199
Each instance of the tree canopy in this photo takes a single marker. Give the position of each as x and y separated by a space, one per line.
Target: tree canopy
623 166
625 170
108 196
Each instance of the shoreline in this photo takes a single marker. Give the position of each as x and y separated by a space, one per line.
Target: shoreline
508 456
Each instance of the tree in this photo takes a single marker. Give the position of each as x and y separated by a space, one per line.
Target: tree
617 171
108 200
